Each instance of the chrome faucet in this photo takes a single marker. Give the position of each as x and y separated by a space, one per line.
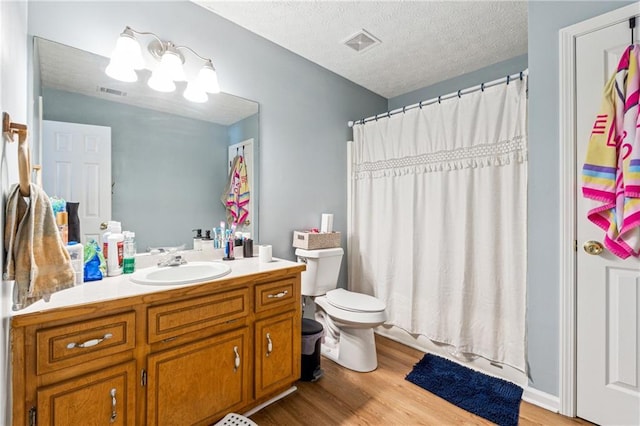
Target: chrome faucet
172 259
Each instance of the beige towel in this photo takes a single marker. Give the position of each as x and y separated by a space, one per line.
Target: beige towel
35 256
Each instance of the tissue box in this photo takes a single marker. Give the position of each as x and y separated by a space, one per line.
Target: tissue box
314 241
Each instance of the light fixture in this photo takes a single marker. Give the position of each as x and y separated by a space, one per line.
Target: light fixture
127 57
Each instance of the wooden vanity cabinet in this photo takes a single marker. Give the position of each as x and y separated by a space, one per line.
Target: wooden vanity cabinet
185 356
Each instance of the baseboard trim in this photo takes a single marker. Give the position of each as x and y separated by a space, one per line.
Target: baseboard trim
541 399
271 401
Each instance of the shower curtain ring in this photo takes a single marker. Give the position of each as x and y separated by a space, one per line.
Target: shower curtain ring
459 95
420 104
482 87
404 109
439 99
521 73
508 79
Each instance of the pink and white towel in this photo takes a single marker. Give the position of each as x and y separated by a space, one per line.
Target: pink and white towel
611 172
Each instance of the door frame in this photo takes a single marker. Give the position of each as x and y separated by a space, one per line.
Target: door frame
568 186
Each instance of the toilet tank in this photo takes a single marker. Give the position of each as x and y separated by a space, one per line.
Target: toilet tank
323 268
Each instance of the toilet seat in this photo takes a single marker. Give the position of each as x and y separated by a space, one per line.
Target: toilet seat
354 302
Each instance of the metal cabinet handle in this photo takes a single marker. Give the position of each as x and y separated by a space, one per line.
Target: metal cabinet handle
269 344
237 360
593 247
89 343
114 413
278 295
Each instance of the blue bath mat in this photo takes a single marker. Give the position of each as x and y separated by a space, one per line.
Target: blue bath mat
494 399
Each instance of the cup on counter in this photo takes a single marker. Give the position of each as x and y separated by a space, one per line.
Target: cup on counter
265 254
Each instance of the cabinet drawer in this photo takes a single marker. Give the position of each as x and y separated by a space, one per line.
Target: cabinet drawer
275 294
178 318
77 343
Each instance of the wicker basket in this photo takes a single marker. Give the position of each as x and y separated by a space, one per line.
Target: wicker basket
314 240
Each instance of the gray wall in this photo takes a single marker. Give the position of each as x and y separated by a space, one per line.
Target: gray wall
545 19
482 75
168 171
303 108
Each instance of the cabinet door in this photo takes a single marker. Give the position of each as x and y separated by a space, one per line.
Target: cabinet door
277 357
199 382
103 398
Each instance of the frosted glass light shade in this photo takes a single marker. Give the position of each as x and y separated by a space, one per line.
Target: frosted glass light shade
194 93
208 78
128 51
161 82
171 66
121 71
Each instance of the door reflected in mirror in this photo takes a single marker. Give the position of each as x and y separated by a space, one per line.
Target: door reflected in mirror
169 157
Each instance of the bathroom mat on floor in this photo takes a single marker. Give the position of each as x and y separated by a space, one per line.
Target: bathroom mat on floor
494 399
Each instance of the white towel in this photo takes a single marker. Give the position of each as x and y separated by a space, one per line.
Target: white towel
35 256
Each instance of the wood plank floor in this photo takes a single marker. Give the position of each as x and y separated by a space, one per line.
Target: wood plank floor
382 397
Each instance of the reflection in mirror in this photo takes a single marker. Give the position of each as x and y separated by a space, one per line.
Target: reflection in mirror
153 161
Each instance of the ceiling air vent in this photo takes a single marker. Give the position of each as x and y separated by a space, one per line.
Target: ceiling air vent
361 41
111 91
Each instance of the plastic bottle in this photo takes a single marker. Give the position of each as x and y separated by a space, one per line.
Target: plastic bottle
129 262
197 240
115 244
76 252
105 238
62 223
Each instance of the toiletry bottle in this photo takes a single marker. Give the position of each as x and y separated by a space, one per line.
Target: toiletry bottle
237 245
197 240
129 260
247 245
115 242
76 253
105 239
207 242
61 221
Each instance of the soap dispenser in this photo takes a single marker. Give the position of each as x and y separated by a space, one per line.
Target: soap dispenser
197 240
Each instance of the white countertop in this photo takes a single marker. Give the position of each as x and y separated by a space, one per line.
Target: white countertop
110 288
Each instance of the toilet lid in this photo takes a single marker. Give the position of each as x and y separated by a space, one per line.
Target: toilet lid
350 301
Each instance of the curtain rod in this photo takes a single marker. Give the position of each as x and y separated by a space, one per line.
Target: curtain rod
438 99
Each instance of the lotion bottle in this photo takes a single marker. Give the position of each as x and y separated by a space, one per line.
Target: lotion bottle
197 240
115 243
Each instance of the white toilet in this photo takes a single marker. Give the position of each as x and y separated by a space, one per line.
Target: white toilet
348 317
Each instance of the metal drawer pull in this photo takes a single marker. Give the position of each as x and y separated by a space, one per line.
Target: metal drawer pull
269 344
279 295
114 413
237 360
89 343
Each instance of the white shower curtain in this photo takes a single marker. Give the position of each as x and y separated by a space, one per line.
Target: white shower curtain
438 220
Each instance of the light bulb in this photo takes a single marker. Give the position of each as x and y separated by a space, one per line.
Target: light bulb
194 93
208 78
161 82
128 50
171 65
121 71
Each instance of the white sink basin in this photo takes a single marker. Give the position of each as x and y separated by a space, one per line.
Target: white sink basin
189 273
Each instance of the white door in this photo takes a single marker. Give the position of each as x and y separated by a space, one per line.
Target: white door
608 288
245 148
76 166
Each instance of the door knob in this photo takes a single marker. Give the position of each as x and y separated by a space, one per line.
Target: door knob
593 247
103 226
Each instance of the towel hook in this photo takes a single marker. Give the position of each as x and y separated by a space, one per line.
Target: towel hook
632 25
24 168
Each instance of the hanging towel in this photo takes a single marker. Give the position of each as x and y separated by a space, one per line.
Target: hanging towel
611 172
236 195
35 256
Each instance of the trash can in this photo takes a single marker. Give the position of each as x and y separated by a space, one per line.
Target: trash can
312 332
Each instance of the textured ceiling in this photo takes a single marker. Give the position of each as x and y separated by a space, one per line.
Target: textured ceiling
422 42
74 70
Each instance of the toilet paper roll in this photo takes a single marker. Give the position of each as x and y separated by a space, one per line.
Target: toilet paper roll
264 254
327 223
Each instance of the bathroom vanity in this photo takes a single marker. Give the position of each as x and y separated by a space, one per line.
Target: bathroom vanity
115 352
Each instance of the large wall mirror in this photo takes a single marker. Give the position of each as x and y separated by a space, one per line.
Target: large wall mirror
169 157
